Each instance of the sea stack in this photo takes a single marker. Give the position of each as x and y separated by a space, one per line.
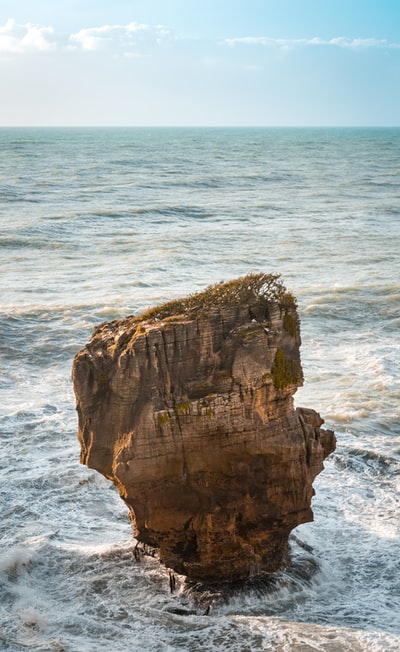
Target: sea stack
188 409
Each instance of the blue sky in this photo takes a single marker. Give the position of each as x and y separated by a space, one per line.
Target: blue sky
186 62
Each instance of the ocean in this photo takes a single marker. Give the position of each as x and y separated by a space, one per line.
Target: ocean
97 224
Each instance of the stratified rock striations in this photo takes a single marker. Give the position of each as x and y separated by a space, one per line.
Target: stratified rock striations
188 409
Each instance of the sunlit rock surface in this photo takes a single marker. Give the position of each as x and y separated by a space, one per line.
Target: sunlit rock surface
188 409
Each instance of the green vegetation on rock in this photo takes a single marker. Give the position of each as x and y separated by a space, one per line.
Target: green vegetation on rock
289 324
246 289
183 408
285 371
162 418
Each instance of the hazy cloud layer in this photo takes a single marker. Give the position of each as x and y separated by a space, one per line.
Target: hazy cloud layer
138 38
339 41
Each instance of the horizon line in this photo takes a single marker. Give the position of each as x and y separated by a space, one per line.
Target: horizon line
197 126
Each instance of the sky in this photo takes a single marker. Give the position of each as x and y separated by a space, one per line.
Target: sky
200 62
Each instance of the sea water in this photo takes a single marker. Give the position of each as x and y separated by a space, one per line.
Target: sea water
97 224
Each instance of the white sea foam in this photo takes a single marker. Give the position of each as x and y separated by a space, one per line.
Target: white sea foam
15 559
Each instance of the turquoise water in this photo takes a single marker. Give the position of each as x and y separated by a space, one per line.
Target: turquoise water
100 223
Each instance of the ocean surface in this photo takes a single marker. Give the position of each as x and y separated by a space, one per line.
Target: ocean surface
96 224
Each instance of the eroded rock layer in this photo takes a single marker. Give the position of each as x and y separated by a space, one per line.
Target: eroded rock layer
191 416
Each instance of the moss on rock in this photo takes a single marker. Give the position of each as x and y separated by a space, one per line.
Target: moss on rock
285 371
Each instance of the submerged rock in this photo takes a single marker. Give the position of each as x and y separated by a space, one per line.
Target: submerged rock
188 409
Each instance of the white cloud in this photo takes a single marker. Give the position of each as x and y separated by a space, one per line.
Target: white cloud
264 40
117 36
17 39
139 27
139 39
340 41
92 38
361 43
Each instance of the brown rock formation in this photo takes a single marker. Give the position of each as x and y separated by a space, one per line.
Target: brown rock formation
188 409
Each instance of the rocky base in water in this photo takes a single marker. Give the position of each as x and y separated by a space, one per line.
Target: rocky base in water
188 409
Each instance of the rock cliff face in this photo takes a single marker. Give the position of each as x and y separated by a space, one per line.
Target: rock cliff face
188 409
